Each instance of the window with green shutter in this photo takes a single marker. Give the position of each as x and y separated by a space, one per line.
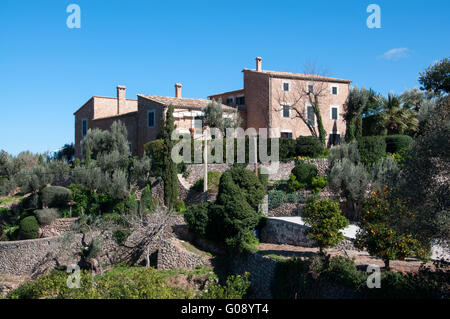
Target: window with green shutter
334 113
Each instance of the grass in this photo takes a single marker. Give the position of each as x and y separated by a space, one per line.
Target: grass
277 257
10 199
194 250
204 270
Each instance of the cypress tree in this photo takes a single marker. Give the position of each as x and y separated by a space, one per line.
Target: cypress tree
169 174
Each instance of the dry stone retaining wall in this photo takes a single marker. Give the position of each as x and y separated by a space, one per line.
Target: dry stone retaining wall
22 257
196 171
57 227
282 232
278 231
262 272
172 256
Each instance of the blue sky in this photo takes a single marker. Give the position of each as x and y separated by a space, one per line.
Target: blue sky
48 70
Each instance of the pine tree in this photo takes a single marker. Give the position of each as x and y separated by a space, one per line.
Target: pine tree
169 167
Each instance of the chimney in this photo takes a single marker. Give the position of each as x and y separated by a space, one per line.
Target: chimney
121 98
178 90
258 64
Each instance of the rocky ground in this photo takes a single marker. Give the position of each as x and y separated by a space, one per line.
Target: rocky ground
10 282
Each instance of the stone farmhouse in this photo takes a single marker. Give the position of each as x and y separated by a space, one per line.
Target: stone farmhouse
270 99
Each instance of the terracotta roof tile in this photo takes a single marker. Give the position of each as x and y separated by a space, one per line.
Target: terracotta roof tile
302 76
184 102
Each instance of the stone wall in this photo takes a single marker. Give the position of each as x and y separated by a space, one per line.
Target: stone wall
57 227
278 231
197 171
23 257
322 165
262 272
171 255
281 232
154 237
286 209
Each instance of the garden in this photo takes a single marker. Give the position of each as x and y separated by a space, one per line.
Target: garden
389 178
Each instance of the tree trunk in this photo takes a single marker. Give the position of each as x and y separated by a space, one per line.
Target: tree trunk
386 264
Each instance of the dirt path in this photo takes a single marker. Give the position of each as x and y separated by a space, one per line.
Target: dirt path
361 258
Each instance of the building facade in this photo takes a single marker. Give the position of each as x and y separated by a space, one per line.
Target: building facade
283 101
142 117
280 101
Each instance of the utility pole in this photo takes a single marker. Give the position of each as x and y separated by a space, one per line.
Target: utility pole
255 149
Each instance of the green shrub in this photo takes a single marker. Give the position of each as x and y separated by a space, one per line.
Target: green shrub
325 153
113 217
276 198
249 185
236 288
385 172
233 217
291 279
311 279
294 184
213 182
29 228
382 231
154 149
308 146
236 208
287 149
198 185
180 206
146 199
326 222
318 183
9 232
351 182
263 178
92 250
91 202
121 235
6 185
292 198
81 197
397 143
348 151
373 125
304 172
119 283
46 215
371 149
196 216
128 206
343 270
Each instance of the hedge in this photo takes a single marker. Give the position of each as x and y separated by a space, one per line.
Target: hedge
47 215
55 196
29 228
304 172
288 149
196 216
397 143
308 146
371 149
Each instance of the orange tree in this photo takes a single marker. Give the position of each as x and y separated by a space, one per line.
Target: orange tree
384 229
326 222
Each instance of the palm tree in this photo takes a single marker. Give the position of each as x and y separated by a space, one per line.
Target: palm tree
397 118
